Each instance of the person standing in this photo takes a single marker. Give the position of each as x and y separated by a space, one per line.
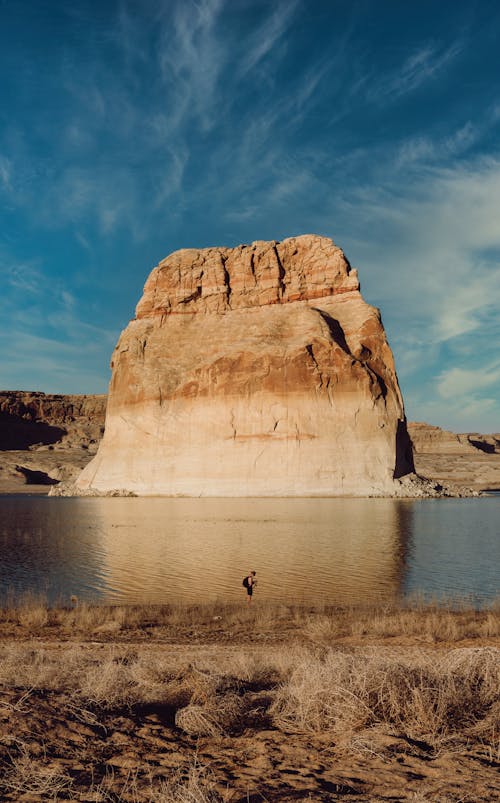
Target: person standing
250 582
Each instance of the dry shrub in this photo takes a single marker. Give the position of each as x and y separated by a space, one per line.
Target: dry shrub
320 695
197 721
490 625
86 618
32 612
25 774
422 695
258 668
321 628
221 715
108 683
37 668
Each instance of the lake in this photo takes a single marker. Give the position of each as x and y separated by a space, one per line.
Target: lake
344 551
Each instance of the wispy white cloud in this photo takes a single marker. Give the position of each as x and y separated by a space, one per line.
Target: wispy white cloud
128 36
427 150
428 249
456 382
47 337
465 399
191 60
59 367
23 277
468 305
107 197
439 235
473 414
420 67
266 37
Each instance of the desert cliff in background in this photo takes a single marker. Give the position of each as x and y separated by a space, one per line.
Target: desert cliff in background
46 439
253 371
465 459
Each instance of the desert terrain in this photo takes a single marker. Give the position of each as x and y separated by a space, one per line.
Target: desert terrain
236 703
46 439
471 459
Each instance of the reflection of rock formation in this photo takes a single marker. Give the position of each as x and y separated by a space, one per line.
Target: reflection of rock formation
253 371
336 550
468 459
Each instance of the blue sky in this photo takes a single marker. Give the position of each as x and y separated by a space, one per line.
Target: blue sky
130 129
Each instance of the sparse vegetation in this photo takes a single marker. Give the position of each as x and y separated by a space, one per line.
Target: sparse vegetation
218 703
321 623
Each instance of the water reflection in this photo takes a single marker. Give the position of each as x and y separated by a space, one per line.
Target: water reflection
454 550
48 548
340 550
301 548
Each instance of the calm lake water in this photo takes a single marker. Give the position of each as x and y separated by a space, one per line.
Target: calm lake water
339 550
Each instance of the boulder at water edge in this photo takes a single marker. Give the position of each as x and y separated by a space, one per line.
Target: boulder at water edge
253 371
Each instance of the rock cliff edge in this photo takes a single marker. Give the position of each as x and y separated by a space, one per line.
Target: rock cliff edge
253 371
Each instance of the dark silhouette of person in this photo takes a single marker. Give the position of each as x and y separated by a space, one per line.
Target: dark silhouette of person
250 583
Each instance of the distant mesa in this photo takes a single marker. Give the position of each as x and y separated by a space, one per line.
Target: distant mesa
253 371
456 460
31 418
46 439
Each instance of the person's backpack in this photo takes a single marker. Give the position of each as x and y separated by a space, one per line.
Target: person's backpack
245 582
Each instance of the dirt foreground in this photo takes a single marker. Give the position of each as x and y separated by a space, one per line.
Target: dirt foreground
229 703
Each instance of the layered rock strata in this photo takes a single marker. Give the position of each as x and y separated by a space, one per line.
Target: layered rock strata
30 419
465 459
253 371
45 439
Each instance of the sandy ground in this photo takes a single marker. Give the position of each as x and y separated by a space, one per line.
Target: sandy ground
135 752
32 471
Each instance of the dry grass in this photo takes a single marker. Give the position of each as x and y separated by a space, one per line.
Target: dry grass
195 784
420 693
432 623
426 676
423 695
438 698
32 613
27 775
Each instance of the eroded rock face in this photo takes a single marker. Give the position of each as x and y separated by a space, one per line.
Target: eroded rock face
46 438
253 371
31 418
466 459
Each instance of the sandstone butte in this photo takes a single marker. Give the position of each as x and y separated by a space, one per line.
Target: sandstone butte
253 371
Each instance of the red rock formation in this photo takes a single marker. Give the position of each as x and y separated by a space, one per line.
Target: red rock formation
258 370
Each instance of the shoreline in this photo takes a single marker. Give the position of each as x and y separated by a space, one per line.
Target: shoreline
44 490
